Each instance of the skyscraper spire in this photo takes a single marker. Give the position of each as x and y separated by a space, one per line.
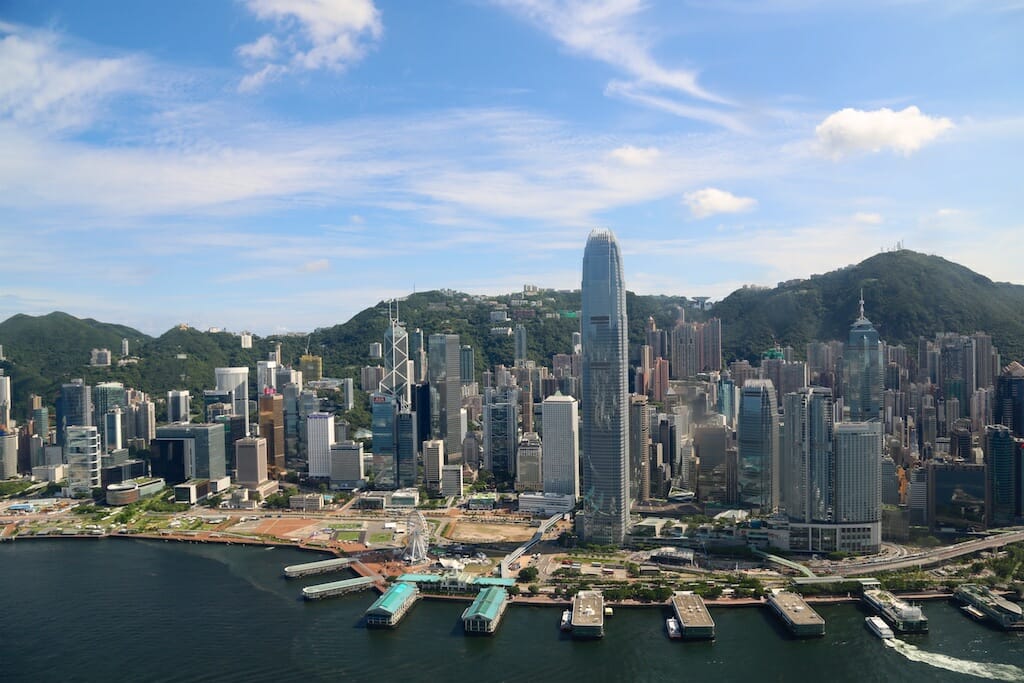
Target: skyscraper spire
861 303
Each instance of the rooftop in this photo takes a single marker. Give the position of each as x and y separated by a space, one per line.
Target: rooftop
691 610
588 609
488 603
796 609
394 598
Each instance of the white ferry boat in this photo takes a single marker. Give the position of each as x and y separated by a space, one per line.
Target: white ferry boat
566 624
674 632
878 626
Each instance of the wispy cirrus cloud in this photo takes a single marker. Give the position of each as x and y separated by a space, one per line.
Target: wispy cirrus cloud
309 35
605 31
46 84
850 131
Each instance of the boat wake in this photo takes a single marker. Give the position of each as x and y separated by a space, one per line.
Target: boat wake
989 670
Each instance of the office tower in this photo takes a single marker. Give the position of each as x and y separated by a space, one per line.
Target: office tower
370 377
528 463
285 375
445 390
520 354
605 432
421 406
467 364
418 356
407 447
235 381
347 468
82 453
726 400
956 496
100 357
396 381
266 375
348 396
758 445
106 396
203 451
376 350
451 480
710 447
639 448
5 399
112 429
41 422
319 437
1002 458
74 407
500 426
179 405
8 452
864 370
145 420
808 461
561 445
433 461
272 428
251 461
1009 402
890 482
245 339
858 453
384 414
311 367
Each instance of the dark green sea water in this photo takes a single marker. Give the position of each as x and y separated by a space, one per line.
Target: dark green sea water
121 610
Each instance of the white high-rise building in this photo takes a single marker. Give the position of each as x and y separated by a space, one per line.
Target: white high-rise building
112 429
5 399
319 437
858 471
561 445
433 461
528 463
266 375
235 380
8 453
82 453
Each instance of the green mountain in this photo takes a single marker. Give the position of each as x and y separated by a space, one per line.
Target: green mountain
907 295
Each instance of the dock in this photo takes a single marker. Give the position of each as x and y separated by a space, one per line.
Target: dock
588 615
484 615
321 567
389 608
982 603
901 615
335 588
801 620
695 621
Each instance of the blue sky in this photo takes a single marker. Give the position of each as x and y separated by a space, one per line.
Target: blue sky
278 165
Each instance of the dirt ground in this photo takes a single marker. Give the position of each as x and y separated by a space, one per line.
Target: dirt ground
473 532
286 528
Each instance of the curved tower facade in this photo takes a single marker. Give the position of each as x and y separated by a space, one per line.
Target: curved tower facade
864 370
604 405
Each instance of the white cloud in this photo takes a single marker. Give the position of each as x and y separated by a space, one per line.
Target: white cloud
849 131
711 201
604 31
310 35
866 218
315 266
635 156
44 84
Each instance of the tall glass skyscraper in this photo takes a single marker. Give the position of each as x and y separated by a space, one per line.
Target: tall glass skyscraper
605 434
864 370
757 438
809 466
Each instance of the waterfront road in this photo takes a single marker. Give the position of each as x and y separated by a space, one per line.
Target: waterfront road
928 558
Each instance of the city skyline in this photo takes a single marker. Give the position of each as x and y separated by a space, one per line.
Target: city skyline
257 172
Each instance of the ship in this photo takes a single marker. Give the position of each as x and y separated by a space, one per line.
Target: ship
672 625
878 626
982 603
566 624
900 614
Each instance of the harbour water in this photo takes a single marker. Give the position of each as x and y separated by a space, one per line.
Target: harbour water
116 609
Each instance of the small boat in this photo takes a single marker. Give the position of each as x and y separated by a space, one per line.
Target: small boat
674 632
566 624
973 612
878 626
609 612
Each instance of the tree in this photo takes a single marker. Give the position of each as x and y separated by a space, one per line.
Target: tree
513 591
534 589
528 574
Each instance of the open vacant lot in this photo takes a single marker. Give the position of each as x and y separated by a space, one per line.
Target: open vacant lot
474 532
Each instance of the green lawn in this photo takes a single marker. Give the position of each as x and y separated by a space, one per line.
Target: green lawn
347 535
380 537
